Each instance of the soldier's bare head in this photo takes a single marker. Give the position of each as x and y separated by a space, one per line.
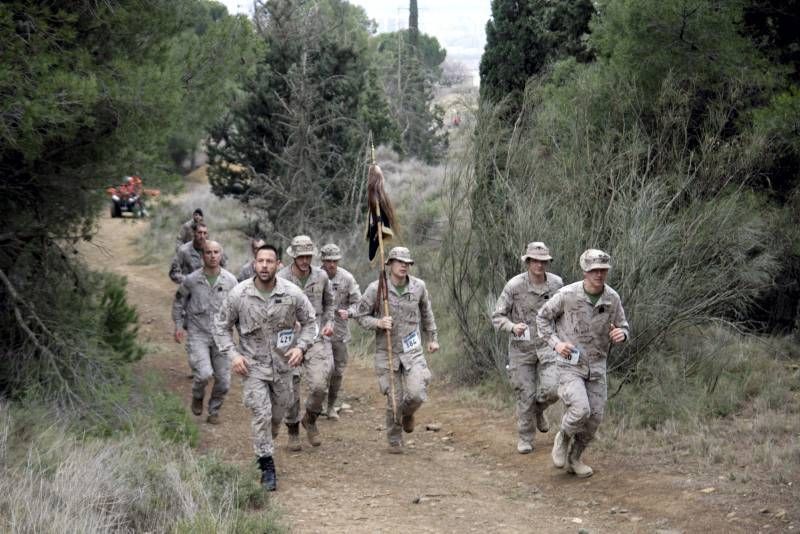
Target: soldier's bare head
266 263
197 215
200 235
212 254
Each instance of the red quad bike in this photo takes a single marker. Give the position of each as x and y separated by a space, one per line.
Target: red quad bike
128 197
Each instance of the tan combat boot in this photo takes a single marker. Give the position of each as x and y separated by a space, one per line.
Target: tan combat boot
212 419
294 437
541 422
576 467
560 449
309 422
524 446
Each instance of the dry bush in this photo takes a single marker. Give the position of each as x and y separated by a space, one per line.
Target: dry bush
585 169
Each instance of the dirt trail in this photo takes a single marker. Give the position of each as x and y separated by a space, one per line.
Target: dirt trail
465 478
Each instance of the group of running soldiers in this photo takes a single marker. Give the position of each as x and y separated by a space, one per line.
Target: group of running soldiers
292 327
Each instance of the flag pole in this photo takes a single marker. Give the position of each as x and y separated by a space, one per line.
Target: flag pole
385 296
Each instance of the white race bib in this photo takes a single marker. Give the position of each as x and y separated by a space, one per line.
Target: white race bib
285 338
526 335
574 357
412 342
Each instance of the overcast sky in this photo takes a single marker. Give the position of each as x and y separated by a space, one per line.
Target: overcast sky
458 24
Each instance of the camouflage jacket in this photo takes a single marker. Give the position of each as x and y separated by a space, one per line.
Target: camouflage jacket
185 234
409 311
569 316
266 326
519 303
196 301
346 295
248 270
187 260
318 290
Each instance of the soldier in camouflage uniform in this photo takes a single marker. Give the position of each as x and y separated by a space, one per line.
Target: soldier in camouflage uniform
189 256
410 314
197 300
266 310
318 362
248 270
580 323
186 233
346 295
532 365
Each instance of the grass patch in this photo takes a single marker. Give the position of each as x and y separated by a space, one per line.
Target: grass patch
53 479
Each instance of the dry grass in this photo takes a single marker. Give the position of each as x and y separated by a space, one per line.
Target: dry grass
52 481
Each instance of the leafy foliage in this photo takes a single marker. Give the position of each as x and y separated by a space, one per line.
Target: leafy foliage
90 91
294 140
523 37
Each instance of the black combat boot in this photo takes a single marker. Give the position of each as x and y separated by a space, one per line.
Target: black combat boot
268 477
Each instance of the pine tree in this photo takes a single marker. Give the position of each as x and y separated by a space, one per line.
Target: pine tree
523 36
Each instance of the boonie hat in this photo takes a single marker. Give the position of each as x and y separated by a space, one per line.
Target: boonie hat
400 254
537 251
301 246
594 259
330 252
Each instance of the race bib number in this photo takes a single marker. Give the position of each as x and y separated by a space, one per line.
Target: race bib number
285 338
412 342
526 335
574 357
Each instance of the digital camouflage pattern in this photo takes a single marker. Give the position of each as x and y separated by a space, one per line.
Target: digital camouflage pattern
532 369
569 316
193 309
185 234
318 363
267 331
412 317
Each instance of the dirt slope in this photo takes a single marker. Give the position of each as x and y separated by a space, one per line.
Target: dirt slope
465 478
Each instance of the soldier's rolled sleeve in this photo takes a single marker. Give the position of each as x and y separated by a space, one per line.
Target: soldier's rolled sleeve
426 312
224 321
364 309
305 315
545 319
179 305
500 319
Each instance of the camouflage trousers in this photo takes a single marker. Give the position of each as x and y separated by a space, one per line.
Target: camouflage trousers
536 387
206 361
267 401
585 402
315 372
410 390
340 357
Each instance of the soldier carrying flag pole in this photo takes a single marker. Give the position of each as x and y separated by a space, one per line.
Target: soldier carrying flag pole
380 222
407 315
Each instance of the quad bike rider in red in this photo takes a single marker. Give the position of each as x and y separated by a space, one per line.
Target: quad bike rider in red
128 197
